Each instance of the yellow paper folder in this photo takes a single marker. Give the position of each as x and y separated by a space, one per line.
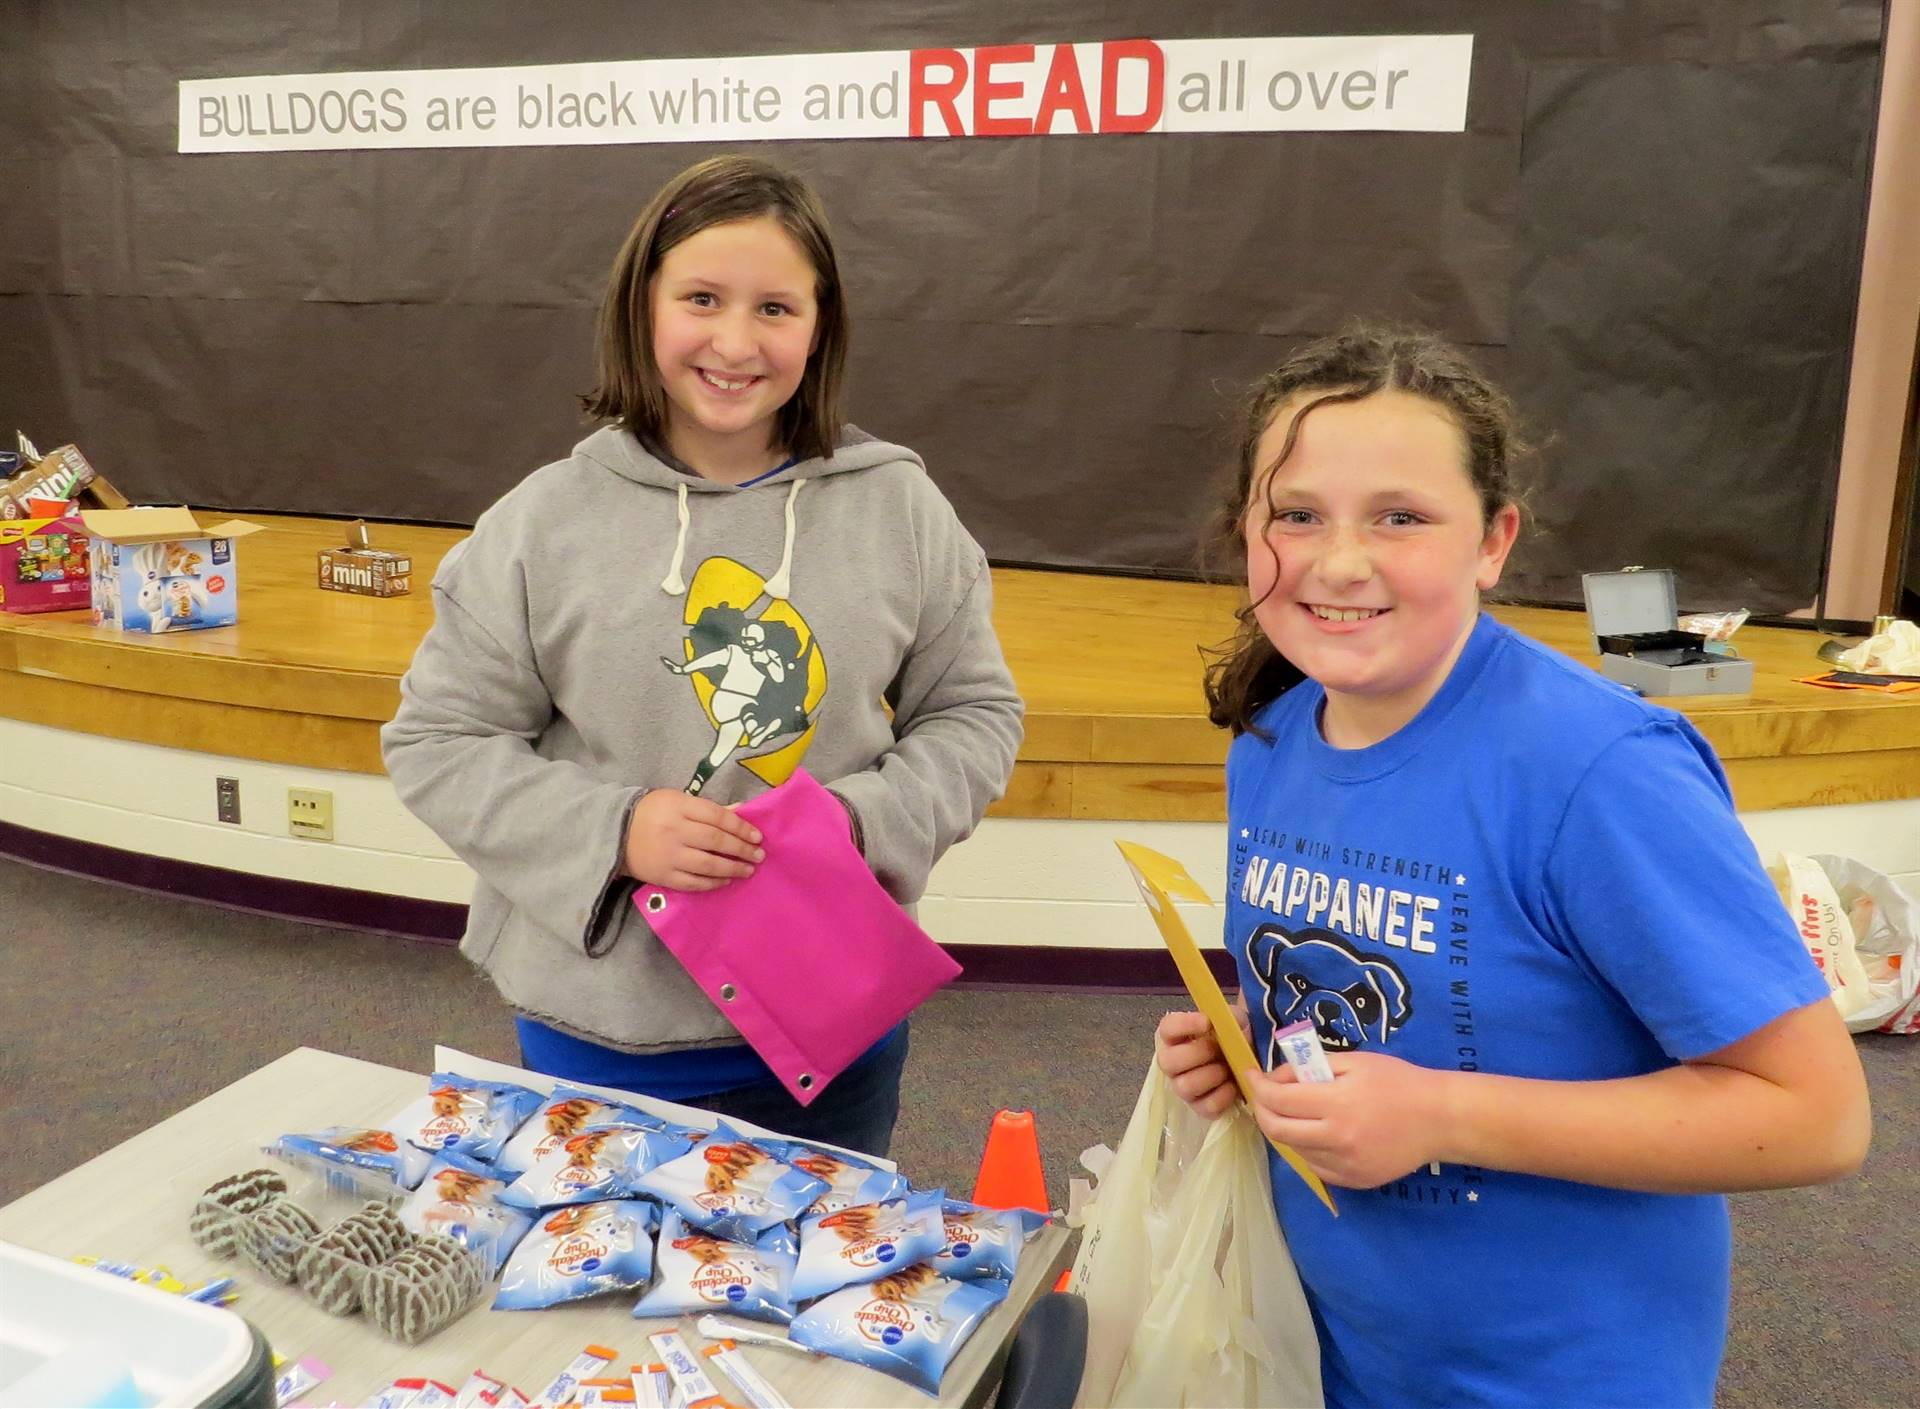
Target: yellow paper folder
1162 880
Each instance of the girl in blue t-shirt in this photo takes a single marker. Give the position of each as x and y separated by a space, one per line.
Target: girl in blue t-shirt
1564 1007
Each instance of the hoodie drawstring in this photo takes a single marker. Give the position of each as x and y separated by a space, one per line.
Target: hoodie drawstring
672 584
777 586
781 581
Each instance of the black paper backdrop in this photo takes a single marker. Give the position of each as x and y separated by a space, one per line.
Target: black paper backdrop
1650 230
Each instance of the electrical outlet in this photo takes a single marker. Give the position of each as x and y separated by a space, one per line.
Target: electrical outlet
226 800
310 813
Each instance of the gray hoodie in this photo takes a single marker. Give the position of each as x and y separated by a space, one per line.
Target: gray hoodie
615 624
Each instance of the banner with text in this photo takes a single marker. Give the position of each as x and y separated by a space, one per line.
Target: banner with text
1400 83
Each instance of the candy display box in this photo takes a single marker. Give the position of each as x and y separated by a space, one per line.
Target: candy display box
44 565
156 570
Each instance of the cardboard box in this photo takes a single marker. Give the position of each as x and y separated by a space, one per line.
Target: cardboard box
62 473
364 569
44 565
1636 630
158 570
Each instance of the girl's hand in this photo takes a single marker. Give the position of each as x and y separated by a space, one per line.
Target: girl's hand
1378 1119
1185 1048
688 843
678 667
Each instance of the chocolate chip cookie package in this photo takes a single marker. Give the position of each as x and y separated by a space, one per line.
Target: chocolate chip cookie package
909 1325
580 1251
694 1272
852 1246
1635 620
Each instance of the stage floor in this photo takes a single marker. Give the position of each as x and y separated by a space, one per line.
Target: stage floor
1110 668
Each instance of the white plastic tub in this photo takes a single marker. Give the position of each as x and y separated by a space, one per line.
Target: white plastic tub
71 1336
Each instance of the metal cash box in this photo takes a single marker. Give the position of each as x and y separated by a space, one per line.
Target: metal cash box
1636 630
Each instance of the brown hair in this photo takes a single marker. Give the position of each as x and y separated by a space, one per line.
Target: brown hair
1246 672
715 192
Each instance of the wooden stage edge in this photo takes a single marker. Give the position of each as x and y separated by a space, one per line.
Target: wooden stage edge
1109 666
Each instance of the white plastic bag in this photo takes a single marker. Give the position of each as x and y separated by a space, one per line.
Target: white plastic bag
1885 922
1192 1298
1824 928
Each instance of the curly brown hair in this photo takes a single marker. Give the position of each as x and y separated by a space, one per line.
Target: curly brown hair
1245 672
716 192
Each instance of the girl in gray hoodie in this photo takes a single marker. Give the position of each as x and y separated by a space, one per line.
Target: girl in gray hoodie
723 581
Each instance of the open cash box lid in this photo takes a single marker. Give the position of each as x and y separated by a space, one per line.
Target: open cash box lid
1634 609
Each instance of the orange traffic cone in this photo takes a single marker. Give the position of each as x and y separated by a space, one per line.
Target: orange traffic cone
1010 1174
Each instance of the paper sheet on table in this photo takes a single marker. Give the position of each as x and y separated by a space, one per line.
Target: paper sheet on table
1162 880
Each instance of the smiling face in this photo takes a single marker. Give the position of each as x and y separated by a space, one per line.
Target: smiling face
734 313
1366 554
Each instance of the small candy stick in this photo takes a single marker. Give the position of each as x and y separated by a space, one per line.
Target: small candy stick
585 1366
1300 1045
481 1389
760 1394
716 1328
297 1379
652 1386
688 1378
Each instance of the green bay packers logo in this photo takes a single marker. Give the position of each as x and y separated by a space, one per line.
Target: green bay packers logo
756 673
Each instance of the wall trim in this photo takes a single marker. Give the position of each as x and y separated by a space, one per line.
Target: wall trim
986 966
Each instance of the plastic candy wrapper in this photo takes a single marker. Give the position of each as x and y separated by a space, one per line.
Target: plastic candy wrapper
867 1242
595 1164
366 1163
1714 626
580 1251
732 1187
698 1272
909 1325
465 1116
460 1199
984 1242
566 1113
850 1181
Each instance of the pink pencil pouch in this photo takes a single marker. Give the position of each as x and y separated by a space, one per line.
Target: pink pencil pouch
808 957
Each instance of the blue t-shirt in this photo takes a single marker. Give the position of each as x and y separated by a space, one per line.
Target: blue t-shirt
1540 875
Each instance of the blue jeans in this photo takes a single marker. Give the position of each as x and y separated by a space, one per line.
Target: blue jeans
857 1110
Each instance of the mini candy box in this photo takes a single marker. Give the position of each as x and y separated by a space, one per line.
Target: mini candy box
44 565
61 474
159 570
363 569
1636 630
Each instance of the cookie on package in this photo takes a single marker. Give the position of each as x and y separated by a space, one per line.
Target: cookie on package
565 1113
580 1251
465 1115
732 1187
851 1181
864 1243
697 1272
909 1325
275 1236
602 1163
984 1242
356 1159
459 1199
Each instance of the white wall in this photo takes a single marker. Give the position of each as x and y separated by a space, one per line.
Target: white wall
1017 881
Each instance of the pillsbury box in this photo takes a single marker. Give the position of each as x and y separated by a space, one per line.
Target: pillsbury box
1636 630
